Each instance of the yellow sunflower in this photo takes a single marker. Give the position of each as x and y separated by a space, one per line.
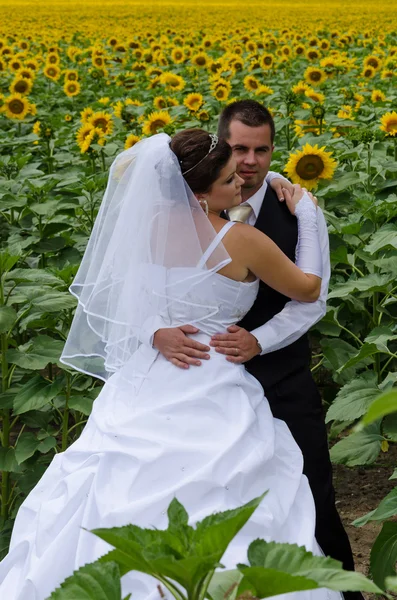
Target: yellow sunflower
102 120
251 83
313 54
203 115
82 134
299 50
72 88
36 128
177 55
131 140
71 75
86 113
387 74
155 121
52 72
170 80
194 101
266 61
21 85
159 103
15 64
221 93
26 72
264 90
310 164
346 112
378 96
301 87
315 96
200 60
368 72
315 76
16 106
95 136
372 61
389 123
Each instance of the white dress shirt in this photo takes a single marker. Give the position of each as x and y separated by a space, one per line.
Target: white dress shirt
296 318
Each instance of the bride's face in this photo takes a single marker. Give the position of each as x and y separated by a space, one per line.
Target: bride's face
226 190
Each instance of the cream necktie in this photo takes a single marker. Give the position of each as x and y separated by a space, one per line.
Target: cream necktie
240 213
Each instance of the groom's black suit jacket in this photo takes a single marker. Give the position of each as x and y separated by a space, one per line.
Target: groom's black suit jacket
276 221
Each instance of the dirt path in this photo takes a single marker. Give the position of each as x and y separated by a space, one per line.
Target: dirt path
359 490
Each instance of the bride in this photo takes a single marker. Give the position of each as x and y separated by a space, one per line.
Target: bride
205 436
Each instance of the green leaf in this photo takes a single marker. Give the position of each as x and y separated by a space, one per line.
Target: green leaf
7 318
385 236
224 585
37 353
36 393
8 461
353 399
26 446
360 448
81 403
380 336
384 404
95 581
53 301
366 351
183 554
375 282
386 509
384 554
7 261
280 568
37 276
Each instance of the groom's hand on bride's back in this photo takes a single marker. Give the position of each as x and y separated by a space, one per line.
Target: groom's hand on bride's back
175 345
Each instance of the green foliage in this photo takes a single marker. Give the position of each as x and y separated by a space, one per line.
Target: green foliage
184 558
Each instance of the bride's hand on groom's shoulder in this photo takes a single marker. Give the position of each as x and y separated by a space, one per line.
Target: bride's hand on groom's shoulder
292 199
175 345
239 345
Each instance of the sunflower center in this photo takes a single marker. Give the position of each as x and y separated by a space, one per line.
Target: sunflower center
21 87
72 88
101 123
201 61
16 106
156 125
309 167
392 125
315 75
268 60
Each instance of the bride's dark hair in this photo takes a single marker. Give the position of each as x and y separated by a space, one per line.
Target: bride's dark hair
191 146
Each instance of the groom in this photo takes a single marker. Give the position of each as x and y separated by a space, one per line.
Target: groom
272 338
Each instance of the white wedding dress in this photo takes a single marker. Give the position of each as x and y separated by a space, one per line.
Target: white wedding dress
204 435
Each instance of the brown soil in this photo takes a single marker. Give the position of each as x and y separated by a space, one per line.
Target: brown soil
359 490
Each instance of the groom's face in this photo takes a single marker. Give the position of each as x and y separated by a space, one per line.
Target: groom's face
252 147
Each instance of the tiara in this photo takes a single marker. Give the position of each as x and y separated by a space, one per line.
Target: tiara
214 140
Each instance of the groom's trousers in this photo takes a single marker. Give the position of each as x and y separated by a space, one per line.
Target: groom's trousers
296 400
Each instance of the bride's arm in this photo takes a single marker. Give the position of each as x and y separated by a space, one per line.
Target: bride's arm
300 281
297 318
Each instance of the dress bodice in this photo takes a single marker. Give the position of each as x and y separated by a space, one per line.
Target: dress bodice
214 303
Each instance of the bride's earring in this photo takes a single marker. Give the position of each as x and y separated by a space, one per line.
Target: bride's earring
204 206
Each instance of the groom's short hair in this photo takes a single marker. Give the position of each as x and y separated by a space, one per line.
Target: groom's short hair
249 112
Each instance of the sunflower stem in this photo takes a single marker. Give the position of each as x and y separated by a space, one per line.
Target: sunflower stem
395 149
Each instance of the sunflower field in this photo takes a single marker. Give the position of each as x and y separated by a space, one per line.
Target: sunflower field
80 82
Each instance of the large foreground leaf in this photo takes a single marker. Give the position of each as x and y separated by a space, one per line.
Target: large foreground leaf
281 568
385 404
181 553
384 554
97 581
